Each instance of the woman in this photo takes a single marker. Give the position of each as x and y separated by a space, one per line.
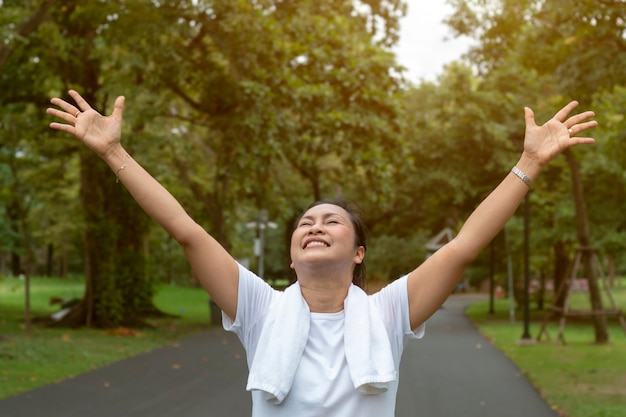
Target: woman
323 347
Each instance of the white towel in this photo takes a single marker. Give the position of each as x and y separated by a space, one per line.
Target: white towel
368 350
281 343
285 334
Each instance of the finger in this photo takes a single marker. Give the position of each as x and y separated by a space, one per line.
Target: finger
63 115
118 107
63 127
580 141
530 117
561 115
584 126
80 101
65 106
577 128
577 118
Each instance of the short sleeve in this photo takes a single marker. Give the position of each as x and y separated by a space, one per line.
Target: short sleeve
393 303
253 301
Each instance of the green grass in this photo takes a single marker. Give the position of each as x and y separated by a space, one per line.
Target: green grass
49 355
579 379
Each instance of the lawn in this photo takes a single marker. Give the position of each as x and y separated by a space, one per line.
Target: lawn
579 379
49 355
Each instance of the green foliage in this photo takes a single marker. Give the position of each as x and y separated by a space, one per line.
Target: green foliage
607 173
577 45
278 92
407 254
545 54
237 106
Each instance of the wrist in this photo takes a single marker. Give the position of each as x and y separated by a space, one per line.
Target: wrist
529 166
117 159
114 154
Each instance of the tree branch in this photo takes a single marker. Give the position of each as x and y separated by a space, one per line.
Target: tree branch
27 27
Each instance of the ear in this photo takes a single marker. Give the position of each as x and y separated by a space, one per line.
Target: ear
359 255
291 266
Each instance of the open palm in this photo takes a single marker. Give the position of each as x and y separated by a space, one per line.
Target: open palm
545 142
99 133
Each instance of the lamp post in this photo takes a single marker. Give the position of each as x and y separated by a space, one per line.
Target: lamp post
526 335
510 284
492 261
259 241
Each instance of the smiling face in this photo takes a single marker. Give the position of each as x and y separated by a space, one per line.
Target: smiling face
325 240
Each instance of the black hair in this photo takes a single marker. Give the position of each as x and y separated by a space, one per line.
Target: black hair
360 232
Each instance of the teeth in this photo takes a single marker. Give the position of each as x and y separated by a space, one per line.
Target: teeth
316 243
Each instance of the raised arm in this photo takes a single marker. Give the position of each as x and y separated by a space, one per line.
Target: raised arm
214 267
432 282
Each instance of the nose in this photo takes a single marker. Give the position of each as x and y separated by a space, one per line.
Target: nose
315 228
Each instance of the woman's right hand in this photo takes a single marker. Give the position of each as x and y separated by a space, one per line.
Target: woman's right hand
99 133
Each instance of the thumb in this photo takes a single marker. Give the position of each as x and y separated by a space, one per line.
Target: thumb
530 117
118 107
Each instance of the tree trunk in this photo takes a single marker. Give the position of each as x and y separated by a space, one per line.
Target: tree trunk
117 291
562 269
49 259
16 264
13 217
542 290
584 239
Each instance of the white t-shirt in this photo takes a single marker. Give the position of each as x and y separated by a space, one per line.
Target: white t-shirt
322 386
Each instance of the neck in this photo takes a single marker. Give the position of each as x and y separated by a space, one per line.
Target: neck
324 295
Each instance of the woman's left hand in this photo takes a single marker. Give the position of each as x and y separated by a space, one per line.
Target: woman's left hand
545 142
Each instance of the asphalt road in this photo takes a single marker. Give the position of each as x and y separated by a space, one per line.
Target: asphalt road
452 372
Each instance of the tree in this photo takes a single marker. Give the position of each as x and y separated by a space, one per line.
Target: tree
117 291
240 85
38 13
563 42
20 156
606 172
271 91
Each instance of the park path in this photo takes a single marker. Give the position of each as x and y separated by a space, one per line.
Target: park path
452 372
455 372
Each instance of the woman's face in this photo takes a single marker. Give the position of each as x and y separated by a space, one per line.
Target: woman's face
325 236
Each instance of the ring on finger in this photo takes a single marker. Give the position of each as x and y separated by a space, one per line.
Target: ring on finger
78 112
571 132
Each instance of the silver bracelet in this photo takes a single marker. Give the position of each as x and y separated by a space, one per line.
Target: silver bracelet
521 176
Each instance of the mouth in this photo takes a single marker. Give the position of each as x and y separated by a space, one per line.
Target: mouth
315 243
